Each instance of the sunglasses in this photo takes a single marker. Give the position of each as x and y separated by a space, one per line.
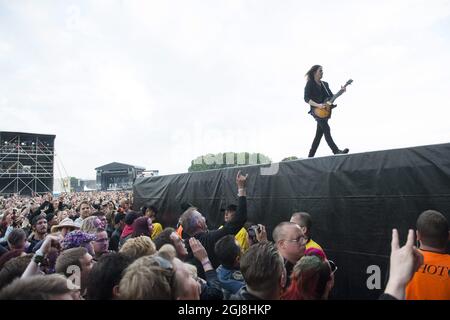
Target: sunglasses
333 266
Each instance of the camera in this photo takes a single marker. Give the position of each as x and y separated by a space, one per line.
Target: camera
253 231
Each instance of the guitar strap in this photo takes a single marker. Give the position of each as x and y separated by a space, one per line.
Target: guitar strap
326 90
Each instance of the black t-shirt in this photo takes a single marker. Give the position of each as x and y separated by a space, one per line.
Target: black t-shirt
33 243
289 267
316 93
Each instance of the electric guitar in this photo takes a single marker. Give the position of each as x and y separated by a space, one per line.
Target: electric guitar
326 112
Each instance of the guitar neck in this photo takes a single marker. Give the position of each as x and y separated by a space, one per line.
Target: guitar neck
337 95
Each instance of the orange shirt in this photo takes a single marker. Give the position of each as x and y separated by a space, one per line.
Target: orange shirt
432 280
180 231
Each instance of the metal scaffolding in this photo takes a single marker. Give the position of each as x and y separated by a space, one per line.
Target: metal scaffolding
26 163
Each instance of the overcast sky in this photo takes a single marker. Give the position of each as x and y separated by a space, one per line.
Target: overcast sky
158 83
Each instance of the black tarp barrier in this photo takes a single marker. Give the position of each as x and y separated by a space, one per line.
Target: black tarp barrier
355 200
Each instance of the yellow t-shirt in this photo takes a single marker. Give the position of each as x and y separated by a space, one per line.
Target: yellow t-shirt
242 239
157 229
312 244
432 280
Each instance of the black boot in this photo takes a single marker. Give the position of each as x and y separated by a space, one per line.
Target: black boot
345 151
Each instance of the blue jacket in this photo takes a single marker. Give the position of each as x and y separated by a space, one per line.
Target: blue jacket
231 280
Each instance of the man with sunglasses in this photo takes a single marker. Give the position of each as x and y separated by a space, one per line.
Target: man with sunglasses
290 242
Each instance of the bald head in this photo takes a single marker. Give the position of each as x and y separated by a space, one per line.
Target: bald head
282 230
290 241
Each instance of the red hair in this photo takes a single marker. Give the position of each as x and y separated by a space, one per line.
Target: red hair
309 279
292 292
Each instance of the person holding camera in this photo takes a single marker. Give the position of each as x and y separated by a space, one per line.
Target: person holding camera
256 233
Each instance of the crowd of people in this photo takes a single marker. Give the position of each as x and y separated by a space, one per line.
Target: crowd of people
97 246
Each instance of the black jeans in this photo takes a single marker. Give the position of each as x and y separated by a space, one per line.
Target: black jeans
322 129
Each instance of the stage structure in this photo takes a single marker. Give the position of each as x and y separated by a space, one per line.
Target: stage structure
117 176
355 201
26 163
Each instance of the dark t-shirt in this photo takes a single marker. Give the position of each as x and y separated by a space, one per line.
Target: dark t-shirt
316 93
3 250
289 267
33 243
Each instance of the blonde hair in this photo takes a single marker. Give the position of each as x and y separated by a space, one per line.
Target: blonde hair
192 269
88 225
38 287
138 247
144 279
60 214
167 252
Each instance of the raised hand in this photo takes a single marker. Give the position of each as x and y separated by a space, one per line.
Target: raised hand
50 241
261 233
200 254
241 180
404 263
405 260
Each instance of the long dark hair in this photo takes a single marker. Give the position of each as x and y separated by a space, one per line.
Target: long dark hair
312 71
